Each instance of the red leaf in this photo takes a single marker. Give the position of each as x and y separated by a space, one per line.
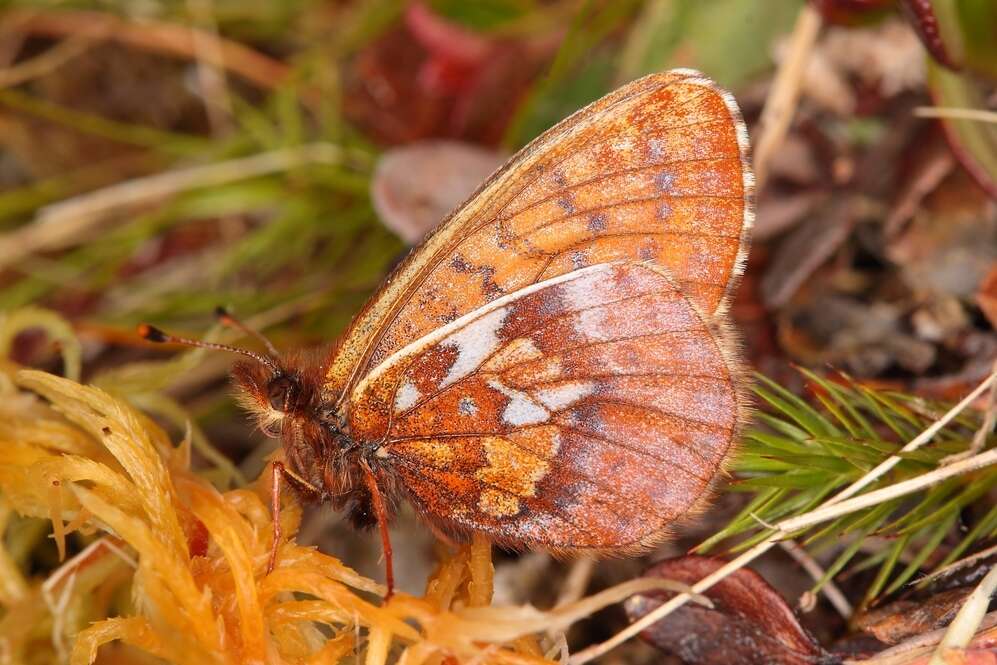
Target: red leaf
429 77
851 12
444 38
749 623
921 15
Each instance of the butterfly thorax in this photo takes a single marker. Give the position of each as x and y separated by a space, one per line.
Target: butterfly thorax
325 461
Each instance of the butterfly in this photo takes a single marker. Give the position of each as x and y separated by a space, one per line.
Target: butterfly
553 366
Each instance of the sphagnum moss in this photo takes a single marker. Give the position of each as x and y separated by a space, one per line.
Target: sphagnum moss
176 569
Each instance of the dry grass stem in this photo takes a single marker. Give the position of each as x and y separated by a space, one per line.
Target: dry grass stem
831 511
986 427
56 329
61 224
574 587
48 61
924 437
154 36
780 106
817 572
577 582
955 113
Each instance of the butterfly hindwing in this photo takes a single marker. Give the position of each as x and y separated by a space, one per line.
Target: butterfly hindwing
656 171
527 418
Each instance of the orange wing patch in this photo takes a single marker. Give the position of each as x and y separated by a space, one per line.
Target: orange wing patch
527 418
656 171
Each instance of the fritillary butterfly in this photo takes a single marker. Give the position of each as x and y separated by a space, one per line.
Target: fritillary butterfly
553 366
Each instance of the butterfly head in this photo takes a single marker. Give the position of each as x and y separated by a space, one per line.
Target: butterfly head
283 393
287 400
280 395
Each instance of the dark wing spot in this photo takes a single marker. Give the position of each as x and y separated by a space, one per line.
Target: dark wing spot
488 285
597 223
648 251
459 264
665 181
566 205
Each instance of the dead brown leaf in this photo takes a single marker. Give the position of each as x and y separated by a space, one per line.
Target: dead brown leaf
749 623
904 619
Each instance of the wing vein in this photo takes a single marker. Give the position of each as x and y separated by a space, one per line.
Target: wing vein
635 450
576 474
626 338
627 171
662 412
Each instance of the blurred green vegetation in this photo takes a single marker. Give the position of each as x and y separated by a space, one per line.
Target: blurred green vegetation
307 233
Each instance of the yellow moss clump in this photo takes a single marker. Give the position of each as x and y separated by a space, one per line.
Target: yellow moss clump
176 569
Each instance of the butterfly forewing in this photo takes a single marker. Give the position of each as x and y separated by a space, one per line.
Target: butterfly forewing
588 410
656 171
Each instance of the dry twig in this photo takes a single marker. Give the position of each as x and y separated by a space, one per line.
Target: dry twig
817 572
154 36
989 418
44 63
780 106
924 437
955 113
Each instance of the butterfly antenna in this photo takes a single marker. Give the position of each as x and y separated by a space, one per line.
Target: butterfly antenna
154 334
227 319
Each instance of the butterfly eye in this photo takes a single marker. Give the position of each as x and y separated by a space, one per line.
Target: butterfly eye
282 392
271 430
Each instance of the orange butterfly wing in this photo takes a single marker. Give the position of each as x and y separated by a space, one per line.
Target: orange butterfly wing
549 366
587 411
656 171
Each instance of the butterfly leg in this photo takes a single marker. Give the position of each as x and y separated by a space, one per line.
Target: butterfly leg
278 471
382 524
